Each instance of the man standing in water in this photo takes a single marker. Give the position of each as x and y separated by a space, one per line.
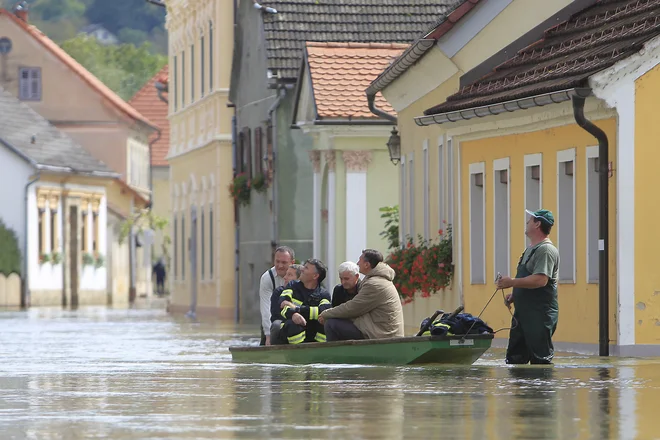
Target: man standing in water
534 295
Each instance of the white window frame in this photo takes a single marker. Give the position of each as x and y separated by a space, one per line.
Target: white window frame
426 188
502 164
30 96
477 168
451 181
532 160
562 157
441 182
591 153
403 208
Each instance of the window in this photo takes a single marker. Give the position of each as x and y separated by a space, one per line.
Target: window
201 59
211 241
54 232
403 209
533 184
42 231
477 224
29 83
593 214
176 84
411 196
84 242
183 79
441 182
565 220
248 151
502 213
192 73
176 245
240 155
211 56
183 247
450 182
258 151
202 242
425 164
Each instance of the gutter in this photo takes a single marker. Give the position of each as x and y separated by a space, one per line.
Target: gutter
503 107
376 111
272 119
352 122
160 3
603 223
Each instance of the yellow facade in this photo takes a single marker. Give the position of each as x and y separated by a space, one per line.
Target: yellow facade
647 235
578 300
200 157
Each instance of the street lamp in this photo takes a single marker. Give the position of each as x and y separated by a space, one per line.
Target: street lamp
394 146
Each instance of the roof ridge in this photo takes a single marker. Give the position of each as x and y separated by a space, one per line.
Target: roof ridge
356 45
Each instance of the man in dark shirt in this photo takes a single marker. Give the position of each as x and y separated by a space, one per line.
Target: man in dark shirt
349 275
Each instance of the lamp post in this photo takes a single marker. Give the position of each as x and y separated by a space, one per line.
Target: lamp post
394 146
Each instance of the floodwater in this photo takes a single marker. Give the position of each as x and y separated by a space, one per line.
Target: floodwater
141 374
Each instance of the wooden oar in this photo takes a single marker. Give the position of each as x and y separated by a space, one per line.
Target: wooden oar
435 315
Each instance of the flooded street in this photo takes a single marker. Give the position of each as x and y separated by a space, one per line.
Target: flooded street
141 374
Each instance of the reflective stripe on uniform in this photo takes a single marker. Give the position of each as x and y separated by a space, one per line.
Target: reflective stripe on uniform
297 339
320 337
288 293
283 312
324 302
297 302
313 313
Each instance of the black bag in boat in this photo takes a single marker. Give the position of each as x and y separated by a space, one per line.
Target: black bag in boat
457 325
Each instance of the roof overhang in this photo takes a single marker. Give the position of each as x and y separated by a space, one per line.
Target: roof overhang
503 107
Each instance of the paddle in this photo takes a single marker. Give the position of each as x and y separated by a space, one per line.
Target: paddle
435 315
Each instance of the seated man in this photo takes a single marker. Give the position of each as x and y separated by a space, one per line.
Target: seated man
349 275
292 274
375 312
301 305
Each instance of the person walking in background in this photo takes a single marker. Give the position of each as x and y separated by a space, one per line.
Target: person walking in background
271 280
534 295
160 271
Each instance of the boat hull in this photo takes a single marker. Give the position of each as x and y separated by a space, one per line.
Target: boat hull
394 351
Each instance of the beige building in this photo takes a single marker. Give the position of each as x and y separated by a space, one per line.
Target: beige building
202 272
43 76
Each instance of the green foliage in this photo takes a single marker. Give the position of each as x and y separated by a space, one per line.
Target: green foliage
240 189
10 253
259 183
87 259
391 231
99 261
56 257
124 68
147 219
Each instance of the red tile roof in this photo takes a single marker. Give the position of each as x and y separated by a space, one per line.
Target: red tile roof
77 68
341 72
147 102
568 54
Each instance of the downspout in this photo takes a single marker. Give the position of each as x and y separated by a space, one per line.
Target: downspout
272 118
603 224
25 297
151 169
371 98
237 230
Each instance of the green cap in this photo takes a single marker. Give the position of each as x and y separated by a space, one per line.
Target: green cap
543 215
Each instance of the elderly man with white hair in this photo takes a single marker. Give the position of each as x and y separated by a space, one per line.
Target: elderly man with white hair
349 276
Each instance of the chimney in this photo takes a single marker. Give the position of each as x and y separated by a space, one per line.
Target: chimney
21 11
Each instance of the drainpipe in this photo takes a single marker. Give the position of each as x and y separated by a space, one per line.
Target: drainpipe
151 169
603 224
237 249
371 98
25 297
272 118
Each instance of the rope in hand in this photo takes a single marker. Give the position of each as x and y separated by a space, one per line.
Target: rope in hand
514 320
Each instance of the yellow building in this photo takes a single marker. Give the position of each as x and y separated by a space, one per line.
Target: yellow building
202 272
474 37
520 141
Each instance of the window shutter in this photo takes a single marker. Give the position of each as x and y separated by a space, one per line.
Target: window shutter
259 151
24 86
35 83
249 148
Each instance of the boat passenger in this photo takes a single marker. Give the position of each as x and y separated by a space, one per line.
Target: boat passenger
375 312
349 275
301 305
271 280
292 274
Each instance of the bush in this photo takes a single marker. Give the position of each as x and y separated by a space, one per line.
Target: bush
10 253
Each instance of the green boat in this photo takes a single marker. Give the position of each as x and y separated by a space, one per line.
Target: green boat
413 350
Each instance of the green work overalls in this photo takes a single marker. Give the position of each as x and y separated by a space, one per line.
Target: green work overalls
534 321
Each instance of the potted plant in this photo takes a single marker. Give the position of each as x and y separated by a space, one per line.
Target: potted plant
99 261
44 258
87 259
259 183
240 189
56 258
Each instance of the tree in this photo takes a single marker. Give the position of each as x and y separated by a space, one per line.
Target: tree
10 253
146 219
391 231
124 68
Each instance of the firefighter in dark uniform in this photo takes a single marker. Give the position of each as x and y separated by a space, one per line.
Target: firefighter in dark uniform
534 295
301 305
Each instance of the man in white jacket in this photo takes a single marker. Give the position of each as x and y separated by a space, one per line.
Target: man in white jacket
271 280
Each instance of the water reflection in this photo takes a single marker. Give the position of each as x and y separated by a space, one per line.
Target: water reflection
135 374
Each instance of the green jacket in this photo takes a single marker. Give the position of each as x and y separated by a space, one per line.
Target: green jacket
376 309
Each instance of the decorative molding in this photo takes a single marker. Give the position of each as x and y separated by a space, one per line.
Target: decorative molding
357 161
315 158
331 160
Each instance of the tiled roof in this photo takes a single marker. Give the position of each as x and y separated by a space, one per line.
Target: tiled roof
357 21
19 123
567 55
147 102
342 71
77 68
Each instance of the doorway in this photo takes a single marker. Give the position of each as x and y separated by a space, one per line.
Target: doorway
192 251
